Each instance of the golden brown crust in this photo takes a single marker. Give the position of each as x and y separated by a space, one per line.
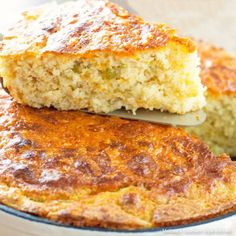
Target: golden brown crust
90 170
218 70
85 27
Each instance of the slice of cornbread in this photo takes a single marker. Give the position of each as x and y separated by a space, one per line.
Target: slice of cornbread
93 54
89 170
219 76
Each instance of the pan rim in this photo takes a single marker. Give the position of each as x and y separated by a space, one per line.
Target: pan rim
37 219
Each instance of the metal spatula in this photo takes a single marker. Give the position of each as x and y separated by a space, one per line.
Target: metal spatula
156 116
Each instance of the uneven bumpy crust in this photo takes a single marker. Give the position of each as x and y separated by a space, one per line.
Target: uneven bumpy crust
218 70
99 26
89 170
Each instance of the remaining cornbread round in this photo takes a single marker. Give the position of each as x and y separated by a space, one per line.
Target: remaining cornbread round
219 76
93 54
88 170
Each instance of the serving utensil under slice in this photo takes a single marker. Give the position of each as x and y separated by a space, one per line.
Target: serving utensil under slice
156 116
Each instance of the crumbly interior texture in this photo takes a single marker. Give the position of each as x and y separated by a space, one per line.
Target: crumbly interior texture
166 79
218 74
219 129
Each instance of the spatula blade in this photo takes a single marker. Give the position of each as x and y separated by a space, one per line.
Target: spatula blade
156 116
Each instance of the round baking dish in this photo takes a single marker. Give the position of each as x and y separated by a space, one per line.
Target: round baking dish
13 222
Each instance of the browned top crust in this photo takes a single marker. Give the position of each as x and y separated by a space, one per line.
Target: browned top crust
218 70
90 170
86 26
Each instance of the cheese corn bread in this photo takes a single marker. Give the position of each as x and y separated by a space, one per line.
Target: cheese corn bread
92 54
